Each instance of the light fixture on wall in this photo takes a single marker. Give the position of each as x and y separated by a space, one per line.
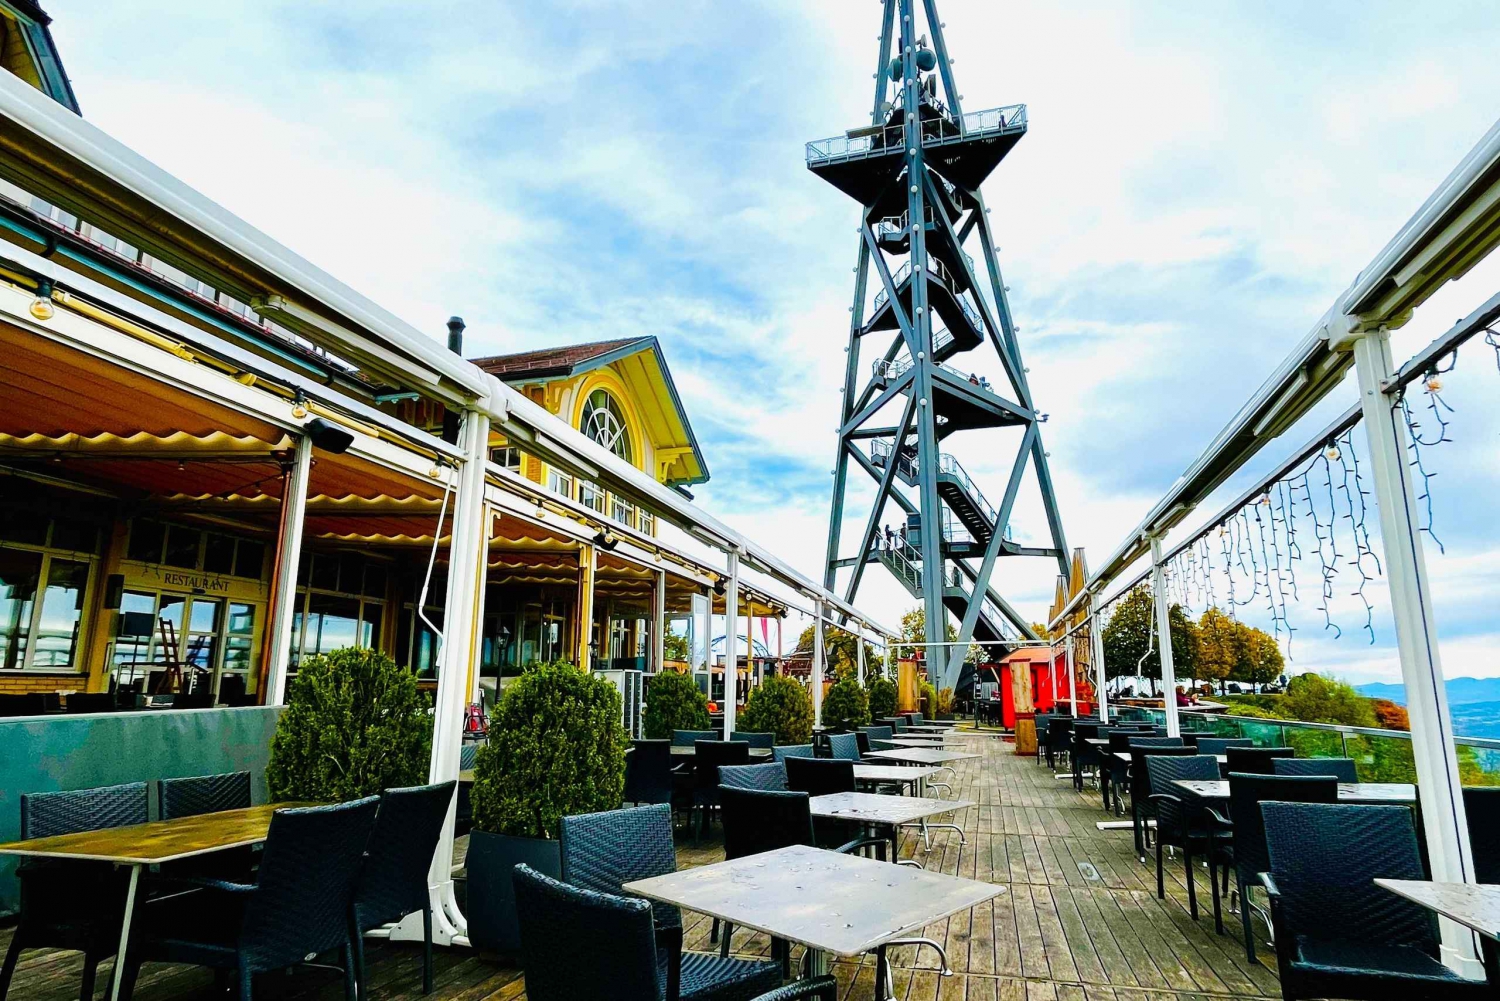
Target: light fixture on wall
606 540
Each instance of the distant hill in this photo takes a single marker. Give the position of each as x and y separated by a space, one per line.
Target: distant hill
1460 691
1476 719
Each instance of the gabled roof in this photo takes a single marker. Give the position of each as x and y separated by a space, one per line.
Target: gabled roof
640 363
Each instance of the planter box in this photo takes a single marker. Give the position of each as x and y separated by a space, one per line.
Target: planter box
491 910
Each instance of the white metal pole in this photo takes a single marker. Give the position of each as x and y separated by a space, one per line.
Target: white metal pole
1164 641
859 655
1052 672
659 624
817 664
731 641
289 555
1438 786
1072 677
1096 637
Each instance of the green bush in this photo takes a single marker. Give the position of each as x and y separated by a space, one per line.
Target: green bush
673 702
557 748
882 694
928 692
945 702
780 706
354 724
846 705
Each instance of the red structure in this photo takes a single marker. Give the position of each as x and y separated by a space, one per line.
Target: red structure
1044 665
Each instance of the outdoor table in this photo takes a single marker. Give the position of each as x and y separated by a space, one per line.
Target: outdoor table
688 752
930 741
140 845
842 905
864 772
1474 905
888 812
1349 792
922 756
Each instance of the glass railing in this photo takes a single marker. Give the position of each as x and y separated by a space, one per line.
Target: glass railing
1379 755
949 465
936 130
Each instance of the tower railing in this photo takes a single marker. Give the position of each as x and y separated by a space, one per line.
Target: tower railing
936 131
949 465
940 271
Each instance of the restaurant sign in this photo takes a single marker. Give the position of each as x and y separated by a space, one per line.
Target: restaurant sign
193 581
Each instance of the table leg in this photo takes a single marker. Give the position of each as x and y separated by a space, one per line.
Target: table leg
817 963
119 974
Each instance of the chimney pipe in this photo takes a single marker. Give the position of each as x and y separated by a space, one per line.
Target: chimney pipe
456 335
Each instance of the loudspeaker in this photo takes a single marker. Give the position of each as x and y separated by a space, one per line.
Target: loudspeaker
328 436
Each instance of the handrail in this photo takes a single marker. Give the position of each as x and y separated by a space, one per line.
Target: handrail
948 464
1488 743
979 124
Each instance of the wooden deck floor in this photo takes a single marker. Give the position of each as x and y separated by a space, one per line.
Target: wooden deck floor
1080 921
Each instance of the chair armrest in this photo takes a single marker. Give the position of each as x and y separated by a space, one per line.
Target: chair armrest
1162 796
1272 894
204 883
1218 820
822 988
859 843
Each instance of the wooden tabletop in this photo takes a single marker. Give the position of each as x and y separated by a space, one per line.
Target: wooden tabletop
160 840
1349 792
870 808
922 755
690 751
1473 905
840 904
892 773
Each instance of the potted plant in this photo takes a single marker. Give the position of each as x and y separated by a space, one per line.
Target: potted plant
929 699
846 706
354 723
945 703
673 702
882 695
780 706
556 748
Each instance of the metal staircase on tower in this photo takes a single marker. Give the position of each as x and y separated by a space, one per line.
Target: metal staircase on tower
916 172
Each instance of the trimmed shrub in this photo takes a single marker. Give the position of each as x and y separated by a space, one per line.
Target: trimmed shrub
882 696
557 748
673 702
945 702
928 694
780 706
354 724
846 705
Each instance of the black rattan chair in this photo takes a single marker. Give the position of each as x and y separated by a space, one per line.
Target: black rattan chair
1342 769
1482 808
754 739
1254 760
90 702
690 738
68 904
1246 793
603 851
1221 745
1139 783
197 794
708 756
771 776
1043 734
1337 933
1059 738
1084 755
1183 824
880 737
393 881
298 907
579 944
792 751
823 777
648 772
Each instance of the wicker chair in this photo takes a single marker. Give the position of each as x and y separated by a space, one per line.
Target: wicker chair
1139 783
1482 807
1342 769
1043 734
298 907
90 702
189 797
690 738
1221 745
603 851
792 751
393 881
1337 933
880 737
754 739
1083 753
823 777
619 957
25 704
1246 794
648 772
1183 825
770 776
1254 760
1059 738
69 904
707 757
843 747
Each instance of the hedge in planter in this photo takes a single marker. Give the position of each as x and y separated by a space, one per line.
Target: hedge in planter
673 702
882 695
354 724
928 693
780 706
846 705
944 702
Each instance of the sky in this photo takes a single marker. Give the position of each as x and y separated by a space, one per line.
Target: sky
1198 183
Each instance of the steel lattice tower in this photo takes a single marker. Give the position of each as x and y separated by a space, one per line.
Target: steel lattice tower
916 171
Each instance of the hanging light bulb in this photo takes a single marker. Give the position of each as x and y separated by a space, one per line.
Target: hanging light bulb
1332 453
1433 383
1265 499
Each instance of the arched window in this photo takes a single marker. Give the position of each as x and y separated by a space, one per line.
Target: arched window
604 422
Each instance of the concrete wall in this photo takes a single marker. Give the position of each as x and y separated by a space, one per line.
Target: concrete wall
48 753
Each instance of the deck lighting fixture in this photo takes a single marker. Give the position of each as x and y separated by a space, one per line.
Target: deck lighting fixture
328 436
41 306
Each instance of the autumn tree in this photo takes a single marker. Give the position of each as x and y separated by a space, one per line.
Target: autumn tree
840 654
1220 646
1129 639
1260 661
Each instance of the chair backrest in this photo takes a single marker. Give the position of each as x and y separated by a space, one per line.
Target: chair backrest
753 738
1120 740
1325 858
819 776
898 724
1043 725
1220 745
878 732
1060 730
648 772
604 851
44 814
90 702
862 739
770 776
763 820
914 717
1136 740
307 872
1342 769
1165 769
844 746
1255 760
688 738
785 751
708 755
1482 807
1083 731
1140 779
393 881
577 943
1247 792
25 704
188 797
